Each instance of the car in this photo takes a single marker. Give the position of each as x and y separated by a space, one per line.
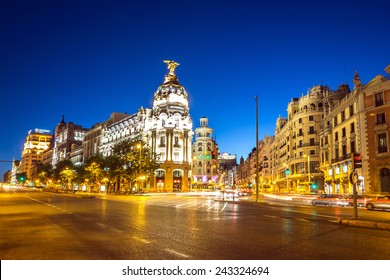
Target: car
227 195
361 199
330 200
381 202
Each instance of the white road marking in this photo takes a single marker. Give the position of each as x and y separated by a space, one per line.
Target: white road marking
117 230
303 220
273 217
176 253
223 208
215 204
141 240
206 203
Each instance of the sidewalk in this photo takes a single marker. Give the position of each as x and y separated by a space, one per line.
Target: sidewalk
383 225
373 223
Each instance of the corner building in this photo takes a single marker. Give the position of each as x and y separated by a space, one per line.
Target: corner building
205 160
167 128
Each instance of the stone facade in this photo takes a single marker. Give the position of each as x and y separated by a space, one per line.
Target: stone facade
205 157
167 128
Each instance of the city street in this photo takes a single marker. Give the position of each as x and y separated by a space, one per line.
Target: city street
40 226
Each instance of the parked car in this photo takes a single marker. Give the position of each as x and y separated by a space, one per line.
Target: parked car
381 202
330 200
361 199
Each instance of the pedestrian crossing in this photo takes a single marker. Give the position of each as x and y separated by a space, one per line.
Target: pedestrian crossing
203 204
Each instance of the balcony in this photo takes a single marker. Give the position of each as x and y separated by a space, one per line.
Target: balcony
342 158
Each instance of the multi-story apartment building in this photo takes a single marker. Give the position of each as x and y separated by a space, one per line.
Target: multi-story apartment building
68 140
92 138
292 157
340 136
167 128
37 141
313 147
246 171
376 130
266 176
205 157
227 170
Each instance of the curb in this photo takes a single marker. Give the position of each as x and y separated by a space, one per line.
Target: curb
364 224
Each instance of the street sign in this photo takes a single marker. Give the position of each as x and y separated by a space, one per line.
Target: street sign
353 178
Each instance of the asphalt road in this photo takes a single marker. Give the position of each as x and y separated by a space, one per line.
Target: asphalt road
45 226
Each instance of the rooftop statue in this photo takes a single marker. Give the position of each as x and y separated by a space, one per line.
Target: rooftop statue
171 65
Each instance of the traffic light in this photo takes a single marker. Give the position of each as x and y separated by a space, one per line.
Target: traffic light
356 161
314 186
287 171
21 177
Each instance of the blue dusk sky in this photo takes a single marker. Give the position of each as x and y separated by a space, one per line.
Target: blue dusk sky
87 59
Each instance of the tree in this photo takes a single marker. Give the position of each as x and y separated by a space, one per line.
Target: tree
63 172
94 171
135 161
45 173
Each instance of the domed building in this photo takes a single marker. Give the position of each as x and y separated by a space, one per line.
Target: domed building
167 128
169 131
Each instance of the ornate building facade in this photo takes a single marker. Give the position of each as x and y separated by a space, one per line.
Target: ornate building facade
167 128
376 132
340 136
68 142
205 157
227 170
313 147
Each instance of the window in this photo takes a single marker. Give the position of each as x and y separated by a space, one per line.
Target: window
378 99
300 120
312 143
300 168
335 121
336 153
300 132
343 132
352 127
311 130
342 116
382 143
351 111
380 118
353 147
311 118
176 141
336 136
344 149
162 141
160 173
